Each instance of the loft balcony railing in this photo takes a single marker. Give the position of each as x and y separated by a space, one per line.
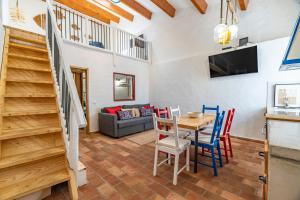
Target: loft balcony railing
84 30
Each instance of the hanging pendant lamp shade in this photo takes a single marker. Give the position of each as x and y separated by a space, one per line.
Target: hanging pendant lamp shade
116 1
219 33
233 28
223 33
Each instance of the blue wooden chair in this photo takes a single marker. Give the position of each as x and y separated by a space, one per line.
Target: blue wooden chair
206 109
212 110
211 142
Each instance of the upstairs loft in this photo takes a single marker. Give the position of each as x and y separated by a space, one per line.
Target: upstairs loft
80 29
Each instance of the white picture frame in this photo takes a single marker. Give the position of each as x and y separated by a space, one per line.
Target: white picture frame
287 95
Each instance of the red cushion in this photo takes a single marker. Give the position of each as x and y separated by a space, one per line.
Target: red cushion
113 110
149 107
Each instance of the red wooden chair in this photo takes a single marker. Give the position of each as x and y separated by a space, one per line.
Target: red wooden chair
225 137
162 113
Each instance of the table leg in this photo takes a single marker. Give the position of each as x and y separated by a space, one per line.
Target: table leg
196 152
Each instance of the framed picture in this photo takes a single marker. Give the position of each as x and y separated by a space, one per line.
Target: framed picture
287 95
124 87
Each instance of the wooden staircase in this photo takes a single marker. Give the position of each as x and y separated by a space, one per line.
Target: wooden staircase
32 150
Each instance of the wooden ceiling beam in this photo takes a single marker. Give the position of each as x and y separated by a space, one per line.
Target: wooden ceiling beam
201 5
98 10
84 10
138 8
243 4
114 8
165 6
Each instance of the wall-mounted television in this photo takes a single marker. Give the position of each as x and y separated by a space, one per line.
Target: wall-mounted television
241 61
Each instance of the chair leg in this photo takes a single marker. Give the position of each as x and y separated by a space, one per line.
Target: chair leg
225 150
214 165
230 147
169 159
187 157
175 169
220 154
155 161
202 151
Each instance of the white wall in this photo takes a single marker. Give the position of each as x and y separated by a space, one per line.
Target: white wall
101 70
30 8
186 83
179 74
190 33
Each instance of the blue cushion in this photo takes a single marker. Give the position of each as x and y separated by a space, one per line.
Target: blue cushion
126 114
96 44
146 112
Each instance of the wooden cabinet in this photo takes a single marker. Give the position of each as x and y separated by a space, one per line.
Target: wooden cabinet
282 161
264 178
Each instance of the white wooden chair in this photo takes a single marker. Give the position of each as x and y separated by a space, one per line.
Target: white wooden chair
172 144
174 112
183 133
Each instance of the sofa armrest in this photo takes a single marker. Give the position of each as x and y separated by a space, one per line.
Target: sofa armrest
108 124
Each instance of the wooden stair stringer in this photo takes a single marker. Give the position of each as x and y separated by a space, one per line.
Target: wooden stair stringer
20 126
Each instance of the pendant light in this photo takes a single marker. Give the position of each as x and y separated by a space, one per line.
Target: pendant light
220 28
224 34
116 1
233 28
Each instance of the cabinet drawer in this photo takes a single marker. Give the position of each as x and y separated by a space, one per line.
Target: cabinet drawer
284 134
283 179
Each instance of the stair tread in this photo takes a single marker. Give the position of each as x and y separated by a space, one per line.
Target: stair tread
29 81
33 185
18 133
35 112
29 57
43 95
13 36
29 68
30 157
23 46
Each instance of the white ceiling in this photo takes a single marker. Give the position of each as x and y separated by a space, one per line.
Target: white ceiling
140 23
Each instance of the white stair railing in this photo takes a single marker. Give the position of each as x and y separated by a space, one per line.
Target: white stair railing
71 110
81 29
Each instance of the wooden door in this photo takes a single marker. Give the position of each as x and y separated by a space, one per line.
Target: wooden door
80 76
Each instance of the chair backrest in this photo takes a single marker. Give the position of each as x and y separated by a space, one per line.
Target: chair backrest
174 112
170 122
206 109
229 120
162 112
217 127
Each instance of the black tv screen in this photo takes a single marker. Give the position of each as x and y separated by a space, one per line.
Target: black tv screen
241 61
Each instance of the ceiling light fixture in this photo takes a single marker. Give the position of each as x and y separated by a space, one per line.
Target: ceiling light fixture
224 33
116 1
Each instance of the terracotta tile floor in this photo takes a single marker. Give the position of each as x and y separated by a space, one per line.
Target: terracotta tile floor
119 169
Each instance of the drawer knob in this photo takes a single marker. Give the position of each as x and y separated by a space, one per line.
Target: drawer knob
262 154
263 179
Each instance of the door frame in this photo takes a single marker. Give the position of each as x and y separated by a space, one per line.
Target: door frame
75 68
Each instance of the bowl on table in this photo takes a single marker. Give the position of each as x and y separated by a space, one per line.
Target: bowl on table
194 114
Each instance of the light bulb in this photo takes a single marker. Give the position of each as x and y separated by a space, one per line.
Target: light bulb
233 31
219 32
